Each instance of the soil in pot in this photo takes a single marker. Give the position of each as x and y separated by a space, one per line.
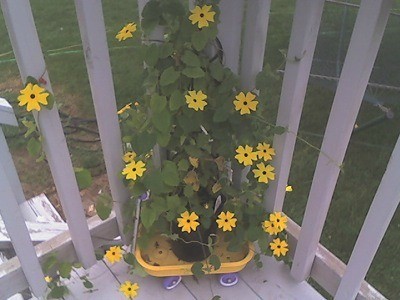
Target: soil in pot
191 247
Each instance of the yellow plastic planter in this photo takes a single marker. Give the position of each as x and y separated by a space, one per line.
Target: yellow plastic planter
159 260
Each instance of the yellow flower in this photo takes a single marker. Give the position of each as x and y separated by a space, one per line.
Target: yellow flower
279 247
265 151
126 32
129 289
202 15
264 173
245 155
129 156
245 103
289 188
114 254
226 221
48 279
32 96
188 222
124 109
279 220
196 100
270 227
134 169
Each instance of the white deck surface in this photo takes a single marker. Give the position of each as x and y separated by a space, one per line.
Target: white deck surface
271 282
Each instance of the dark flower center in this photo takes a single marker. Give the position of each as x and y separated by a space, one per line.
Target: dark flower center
113 253
134 169
201 15
278 246
129 289
188 220
194 100
226 220
277 220
127 31
264 172
245 103
245 155
33 96
264 151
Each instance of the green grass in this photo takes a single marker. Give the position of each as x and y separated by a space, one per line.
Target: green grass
366 158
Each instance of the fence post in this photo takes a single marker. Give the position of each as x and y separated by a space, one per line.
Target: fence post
28 53
94 39
303 38
11 214
364 44
382 209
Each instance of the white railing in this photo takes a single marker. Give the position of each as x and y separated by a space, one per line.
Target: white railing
310 258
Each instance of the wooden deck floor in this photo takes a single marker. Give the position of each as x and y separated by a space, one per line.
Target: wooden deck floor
271 282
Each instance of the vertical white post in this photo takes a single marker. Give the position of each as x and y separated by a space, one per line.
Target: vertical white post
382 209
254 41
14 220
7 117
230 29
306 22
361 55
93 34
28 53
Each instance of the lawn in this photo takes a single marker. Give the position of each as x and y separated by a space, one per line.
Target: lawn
365 161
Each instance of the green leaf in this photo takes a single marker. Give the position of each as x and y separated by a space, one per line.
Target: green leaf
215 261
217 71
158 103
50 262
65 270
83 177
129 258
191 59
222 113
162 121
104 206
170 174
31 79
50 101
34 147
148 216
193 72
87 284
176 100
154 182
99 254
216 297
166 50
143 142
199 40
150 16
188 191
169 76
183 165
163 139
151 55
57 292
279 130
197 269
30 127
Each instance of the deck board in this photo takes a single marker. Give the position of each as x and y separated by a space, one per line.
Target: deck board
270 283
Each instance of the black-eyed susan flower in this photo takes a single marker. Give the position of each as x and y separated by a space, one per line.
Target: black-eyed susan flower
245 155
126 32
226 221
129 157
279 247
188 221
270 227
196 100
32 96
264 173
134 169
202 15
114 254
245 103
279 220
265 151
124 109
129 289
